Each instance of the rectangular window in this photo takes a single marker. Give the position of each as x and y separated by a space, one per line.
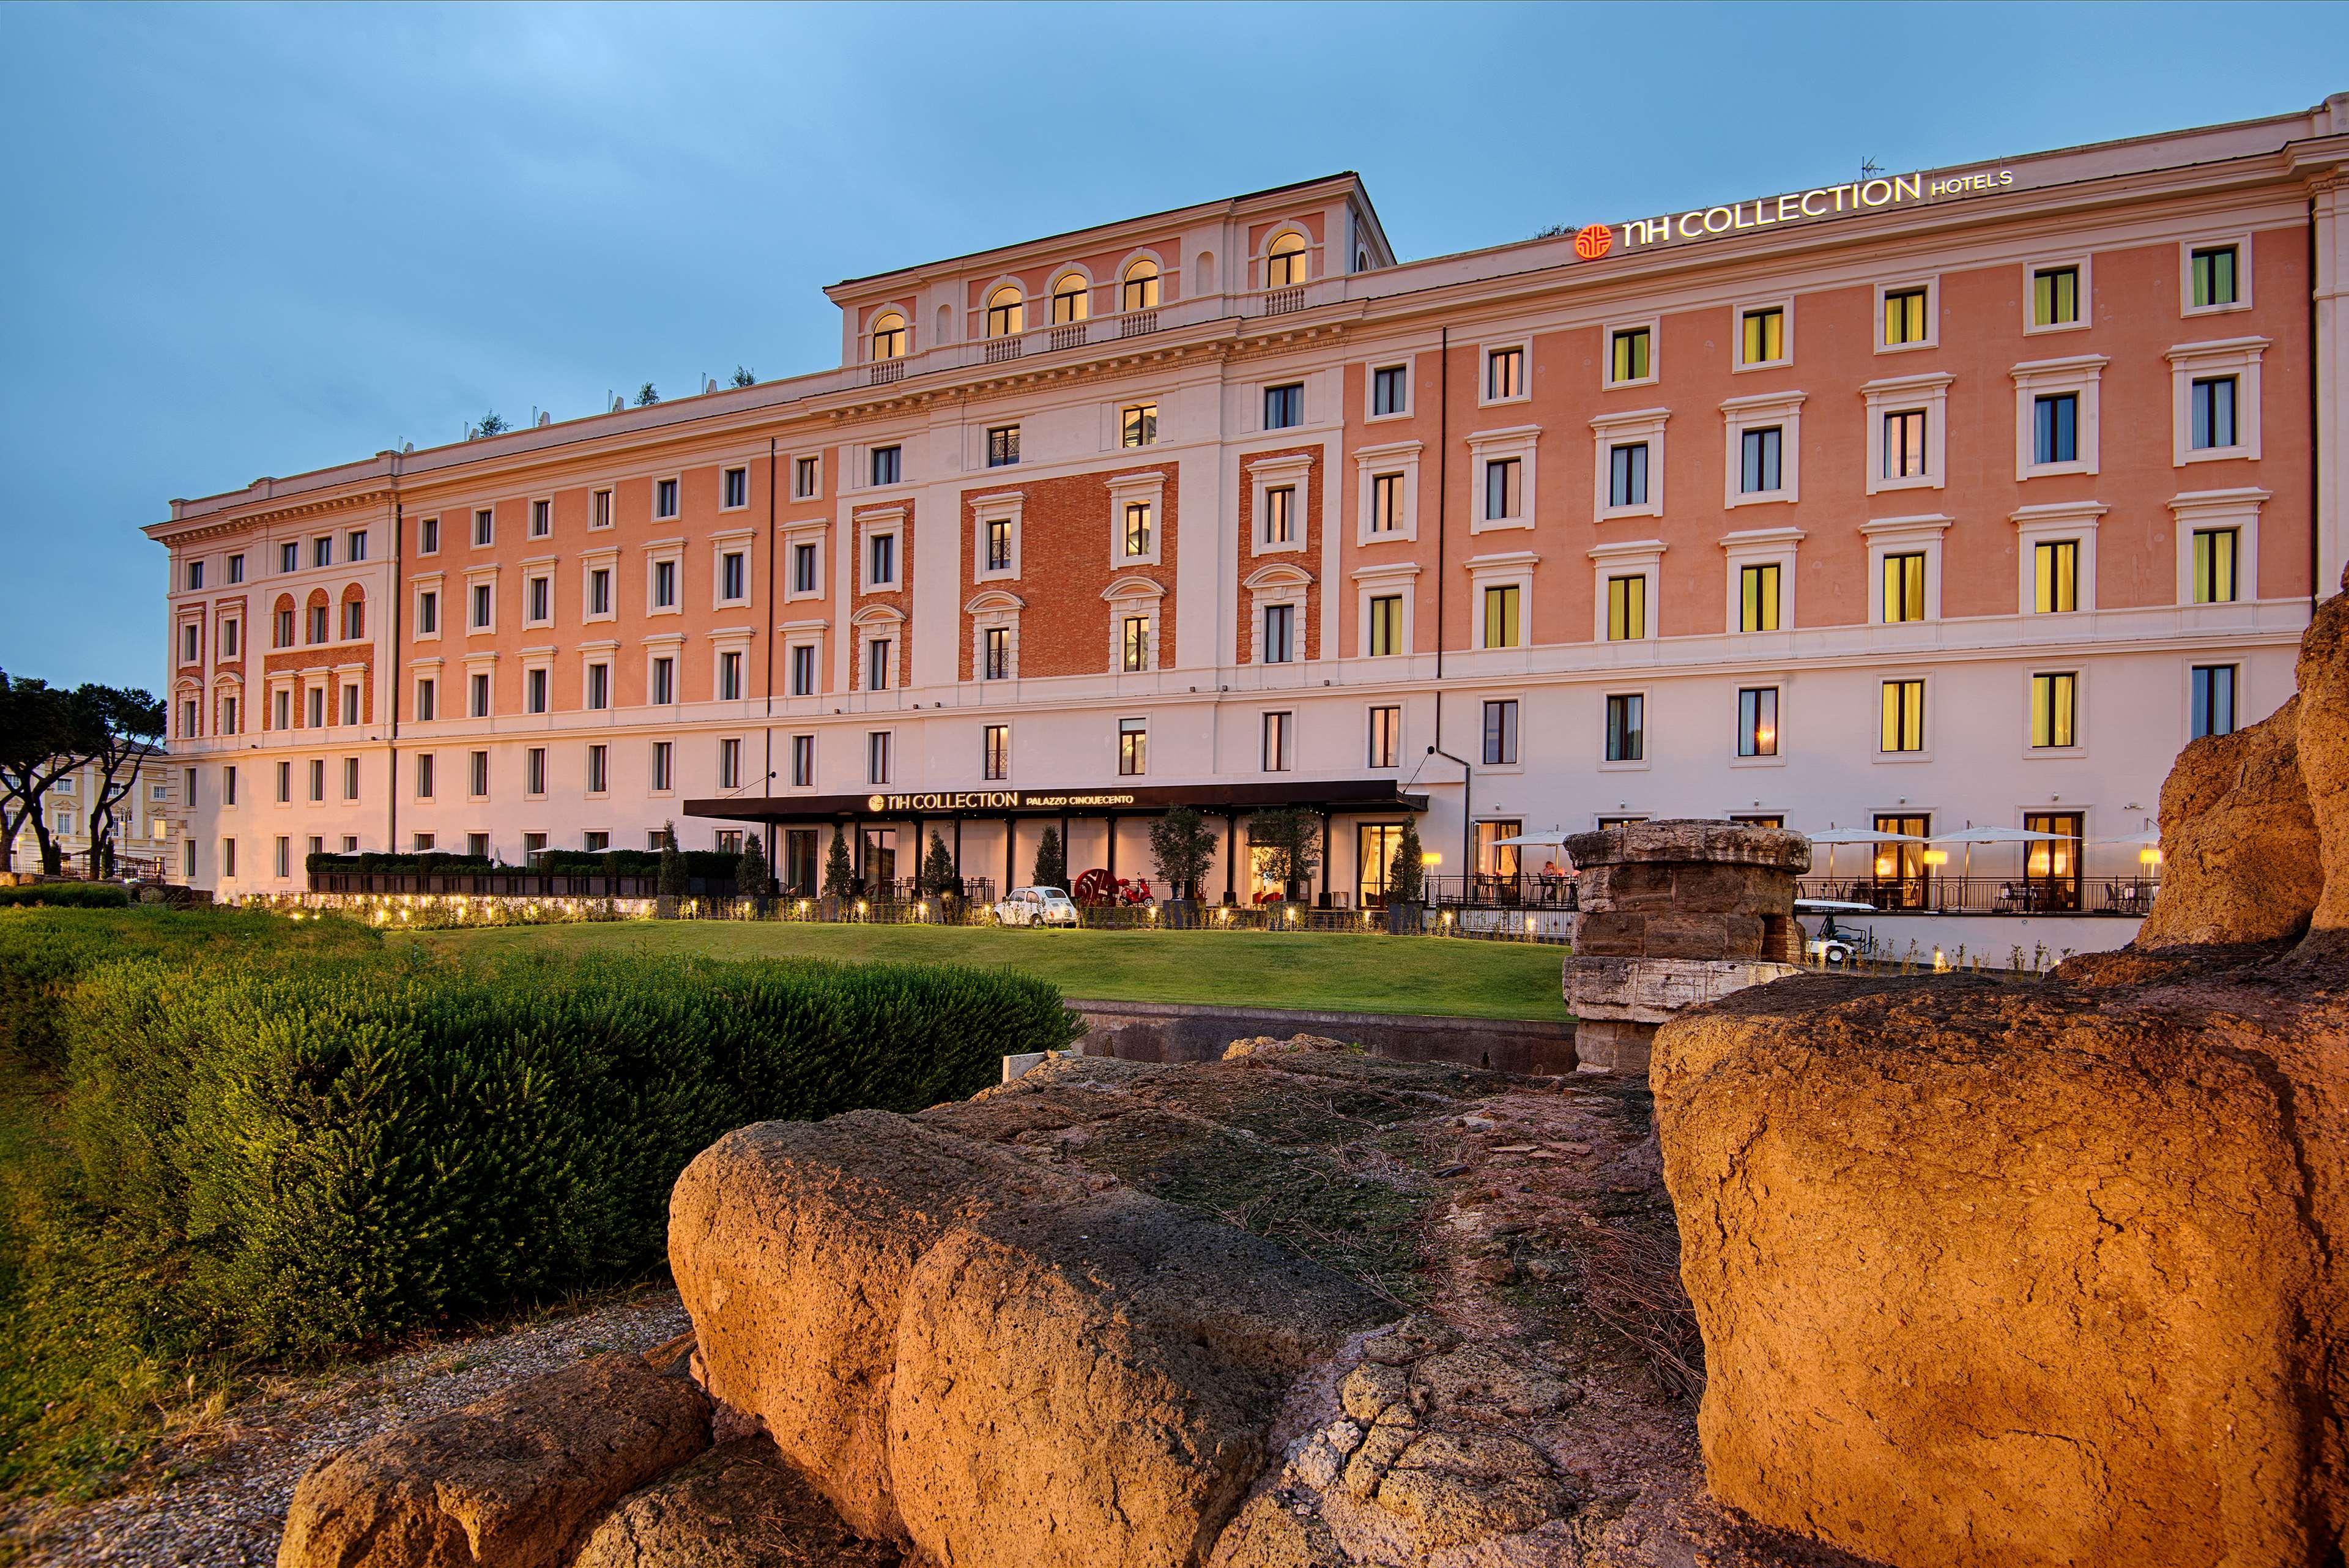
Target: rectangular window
1505 374
664 681
1132 747
729 676
802 761
876 664
354 619
428 536
664 497
1904 445
2214 564
733 576
1280 516
481 606
188 643
803 669
285 711
285 857
664 765
228 786
1002 446
1904 315
317 707
1284 406
803 478
1501 624
317 778
599 685
188 717
1627 474
195 576
729 763
540 592
599 509
485 526
2055 576
282 630
995 753
1390 390
1627 609
1386 624
480 694
2053 698
1138 424
228 856
2213 412
2055 297
1501 733
1503 488
533 687
876 757
1904 716
734 488
424 775
1760 455
881 561
321 550
1904 588
541 519
477 773
1628 355
599 591
534 771
427 694
887 464
1626 740
2214 699
1386 738
1133 644
1757 597
1276 743
1280 634
235 569
2055 428
1757 721
998 544
427 613
284 782
1763 338
803 569
2214 276
1137 528
1386 503
317 628
664 584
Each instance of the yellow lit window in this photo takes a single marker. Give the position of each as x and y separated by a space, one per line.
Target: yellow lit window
1627 609
1629 352
2052 702
2055 576
1500 616
1765 336
1904 315
1386 624
1757 597
1904 588
888 336
2214 564
1007 313
1904 716
1137 528
1071 299
1285 263
1140 291
2055 296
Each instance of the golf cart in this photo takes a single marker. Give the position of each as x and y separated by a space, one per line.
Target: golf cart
1832 946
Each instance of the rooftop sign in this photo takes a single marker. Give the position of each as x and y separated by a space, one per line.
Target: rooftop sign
1819 201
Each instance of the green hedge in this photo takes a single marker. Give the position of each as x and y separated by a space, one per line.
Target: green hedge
343 1149
65 895
711 863
405 865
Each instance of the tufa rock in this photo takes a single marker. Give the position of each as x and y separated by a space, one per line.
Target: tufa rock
511 1479
1266 1046
2240 861
2321 746
736 1506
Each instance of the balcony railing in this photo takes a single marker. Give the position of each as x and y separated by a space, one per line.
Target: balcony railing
1134 323
1071 336
1931 895
1281 301
1001 348
886 370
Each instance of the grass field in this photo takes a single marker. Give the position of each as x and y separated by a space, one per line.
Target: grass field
1460 978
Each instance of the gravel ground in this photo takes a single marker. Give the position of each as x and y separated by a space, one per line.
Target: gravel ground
217 1498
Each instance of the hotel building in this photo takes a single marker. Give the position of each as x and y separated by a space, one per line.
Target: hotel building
1923 499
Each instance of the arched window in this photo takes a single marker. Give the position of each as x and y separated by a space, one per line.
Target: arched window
888 336
1285 263
1071 299
1141 291
1006 313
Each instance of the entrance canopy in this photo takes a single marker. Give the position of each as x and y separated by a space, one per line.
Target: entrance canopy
1094 800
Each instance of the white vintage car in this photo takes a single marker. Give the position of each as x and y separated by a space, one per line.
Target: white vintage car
1035 907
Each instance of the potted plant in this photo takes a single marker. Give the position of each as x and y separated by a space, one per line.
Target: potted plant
840 884
672 875
1288 845
1406 882
1184 846
939 880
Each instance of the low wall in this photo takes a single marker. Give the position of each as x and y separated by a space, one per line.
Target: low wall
1180 1032
1993 937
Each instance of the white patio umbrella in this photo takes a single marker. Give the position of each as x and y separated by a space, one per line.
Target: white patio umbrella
1835 836
1553 839
1971 836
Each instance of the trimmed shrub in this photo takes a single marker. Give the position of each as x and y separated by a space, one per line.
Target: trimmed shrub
65 895
344 1149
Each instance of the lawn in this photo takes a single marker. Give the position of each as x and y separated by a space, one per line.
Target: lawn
1458 977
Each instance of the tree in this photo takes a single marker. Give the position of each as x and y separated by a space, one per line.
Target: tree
839 870
1289 841
751 875
122 725
645 396
1051 860
938 873
1407 873
1184 846
672 864
743 378
45 733
492 424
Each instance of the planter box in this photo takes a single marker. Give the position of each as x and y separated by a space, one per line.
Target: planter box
1178 914
1406 919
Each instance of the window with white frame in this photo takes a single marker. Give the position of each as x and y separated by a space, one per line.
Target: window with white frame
598 583
317 697
1764 458
878 555
427 706
1280 729
665 498
1390 391
2215 399
598 684
1276 502
734 489
1284 406
1904 559
1135 525
799 660
477 774
599 509
599 769
995 753
538 599
2057 415
476 694
1630 348
1382 630
1507 373
1630 481
662 588
1385 737
877 652
889 466
1500 732
733 574
2054 703
1907 315
2218 553
730 763
534 770
1387 479
485 527
661 680
1627 609
1132 747
1503 464
1901 727
2056 297
2055 546
534 688
1627 575
1003 446
802 761
995 547
1501 589
729 675
664 766
1279 644
806 579
807 478
484 604
2214 276
1766 335
1907 421
888 336
541 518
1138 425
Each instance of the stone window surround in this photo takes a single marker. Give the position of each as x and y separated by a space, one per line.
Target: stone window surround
1904 394
2185 249
1370 368
1149 489
816 532
2082 262
994 506
728 640
1607 331
1761 412
2078 669
2082 375
604 651
1520 441
1485 349
1762 547
669 646
889 521
540 661
1627 429
1392 580
722 544
2202 509
2048 524
419 585
876 623
1132 594
1784 304
608 559
1500 570
1369 461
1266 474
1645 761
537 568
2236 357
994 609
671 550
1279 582
808 634
1905 536
1931 284
478 577
1643 558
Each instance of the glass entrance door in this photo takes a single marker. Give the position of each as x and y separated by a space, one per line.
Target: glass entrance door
2050 868
799 861
880 861
1497 864
1376 843
1901 875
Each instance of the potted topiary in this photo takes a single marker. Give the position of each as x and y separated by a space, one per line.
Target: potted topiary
750 874
672 876
839 876
940 882
1406 882
1183 846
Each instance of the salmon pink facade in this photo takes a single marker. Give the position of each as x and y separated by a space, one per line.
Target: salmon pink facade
1961 498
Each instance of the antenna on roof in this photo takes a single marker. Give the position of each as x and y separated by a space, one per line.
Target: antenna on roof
1868 168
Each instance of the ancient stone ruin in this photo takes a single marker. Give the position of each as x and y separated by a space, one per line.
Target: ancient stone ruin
1674 914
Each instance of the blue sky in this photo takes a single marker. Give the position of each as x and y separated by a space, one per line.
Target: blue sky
246 241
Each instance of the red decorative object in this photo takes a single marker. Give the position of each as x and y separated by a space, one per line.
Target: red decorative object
1593 241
